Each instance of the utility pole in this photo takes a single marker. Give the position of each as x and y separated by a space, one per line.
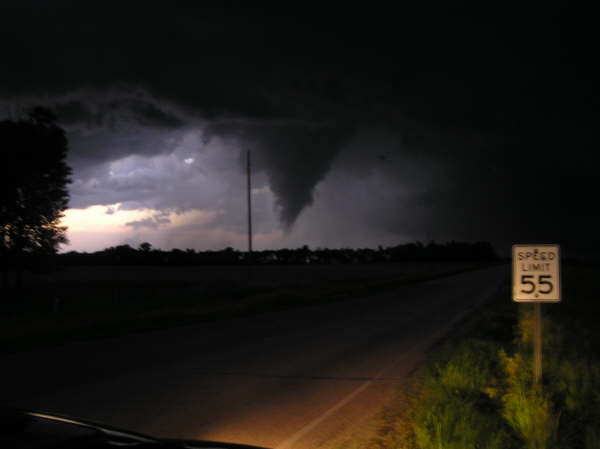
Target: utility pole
249 210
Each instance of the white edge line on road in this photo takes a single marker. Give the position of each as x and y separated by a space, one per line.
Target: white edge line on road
314 423
286 444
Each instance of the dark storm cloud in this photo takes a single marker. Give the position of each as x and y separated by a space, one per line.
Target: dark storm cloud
89 151
91 110
74 111
486 114
154 117
466 186
263 63
181 53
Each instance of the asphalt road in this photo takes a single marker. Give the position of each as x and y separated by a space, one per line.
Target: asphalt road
313 377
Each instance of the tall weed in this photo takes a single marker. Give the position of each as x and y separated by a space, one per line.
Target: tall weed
527 409
480 395
460 408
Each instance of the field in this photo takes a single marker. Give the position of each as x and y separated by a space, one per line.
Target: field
91 301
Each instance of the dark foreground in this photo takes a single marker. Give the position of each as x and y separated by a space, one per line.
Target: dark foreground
306 377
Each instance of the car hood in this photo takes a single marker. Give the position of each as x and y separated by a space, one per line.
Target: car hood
27 429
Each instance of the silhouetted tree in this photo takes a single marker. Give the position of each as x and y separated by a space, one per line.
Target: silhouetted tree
33 188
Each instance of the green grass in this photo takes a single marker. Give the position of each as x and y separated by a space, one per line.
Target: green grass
478 391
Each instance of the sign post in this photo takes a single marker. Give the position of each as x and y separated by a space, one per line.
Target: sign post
537 344
536 278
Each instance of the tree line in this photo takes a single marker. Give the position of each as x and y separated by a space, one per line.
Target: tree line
409 252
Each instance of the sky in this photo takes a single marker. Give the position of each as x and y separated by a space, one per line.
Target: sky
366 126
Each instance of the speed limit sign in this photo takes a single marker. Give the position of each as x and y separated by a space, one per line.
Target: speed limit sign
536 273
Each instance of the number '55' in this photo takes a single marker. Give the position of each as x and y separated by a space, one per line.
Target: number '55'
526 279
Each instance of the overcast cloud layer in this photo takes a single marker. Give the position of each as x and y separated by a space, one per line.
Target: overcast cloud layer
365 127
